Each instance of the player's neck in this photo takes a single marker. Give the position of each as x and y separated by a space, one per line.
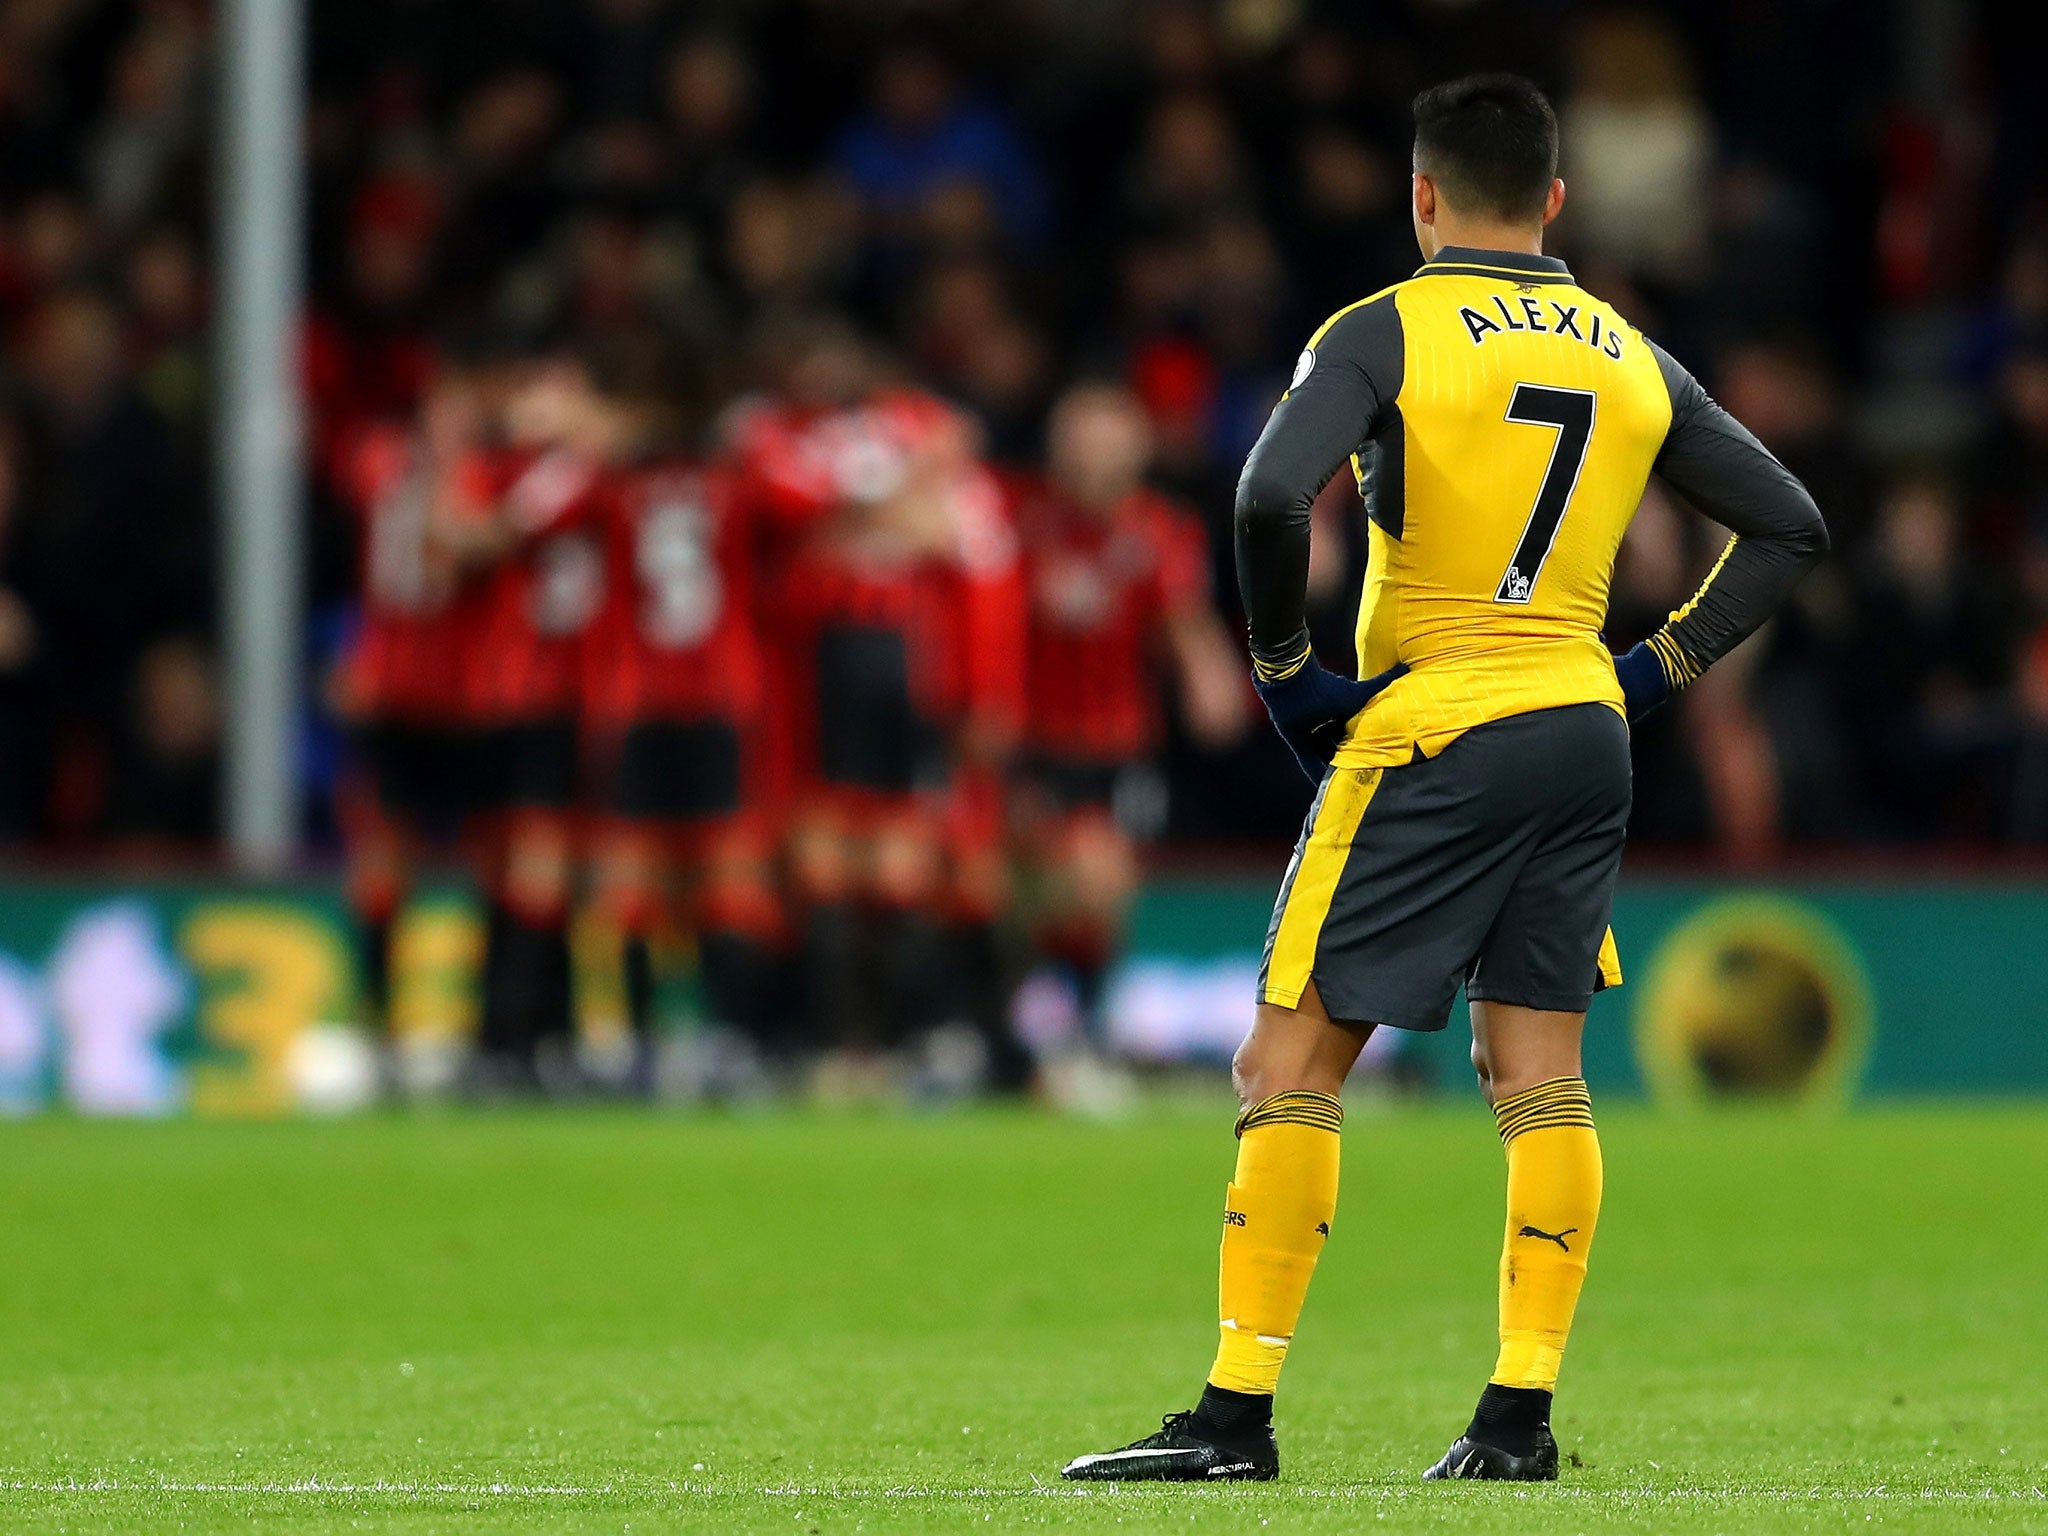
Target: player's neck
1485 235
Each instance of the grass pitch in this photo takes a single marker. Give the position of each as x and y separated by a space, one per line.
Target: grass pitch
805 1323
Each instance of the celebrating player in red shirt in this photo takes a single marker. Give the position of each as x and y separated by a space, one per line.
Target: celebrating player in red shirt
672 697
399 685
894 556
538 564
1118 581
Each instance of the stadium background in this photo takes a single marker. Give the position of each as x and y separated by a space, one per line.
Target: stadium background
221 1314
1834 213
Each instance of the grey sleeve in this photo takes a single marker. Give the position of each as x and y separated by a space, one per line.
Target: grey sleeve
1711 460
1353 374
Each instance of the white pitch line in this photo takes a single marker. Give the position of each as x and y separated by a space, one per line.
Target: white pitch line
314 1485
322 1486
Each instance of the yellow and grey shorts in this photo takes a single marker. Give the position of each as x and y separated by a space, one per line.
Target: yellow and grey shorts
1492 864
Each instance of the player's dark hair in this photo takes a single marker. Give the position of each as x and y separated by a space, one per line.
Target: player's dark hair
1490 141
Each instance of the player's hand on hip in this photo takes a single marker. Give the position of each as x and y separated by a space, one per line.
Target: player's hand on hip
1312 708
1643 683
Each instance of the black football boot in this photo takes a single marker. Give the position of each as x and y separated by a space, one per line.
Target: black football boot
1508 1440
1228 1439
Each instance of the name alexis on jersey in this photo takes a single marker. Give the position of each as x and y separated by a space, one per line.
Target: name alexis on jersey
1563 320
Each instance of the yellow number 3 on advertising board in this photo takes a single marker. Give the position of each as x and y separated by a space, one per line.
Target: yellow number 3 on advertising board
266 970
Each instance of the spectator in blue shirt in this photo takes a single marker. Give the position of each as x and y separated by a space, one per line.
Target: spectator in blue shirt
931 162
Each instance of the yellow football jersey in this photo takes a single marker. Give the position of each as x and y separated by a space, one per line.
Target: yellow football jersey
1504 468
1502 423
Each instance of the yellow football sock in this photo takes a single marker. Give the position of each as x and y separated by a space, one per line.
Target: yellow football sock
1553 1204
1276 1219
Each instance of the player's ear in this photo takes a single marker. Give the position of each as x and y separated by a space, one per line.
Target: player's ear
1425 199
1553 200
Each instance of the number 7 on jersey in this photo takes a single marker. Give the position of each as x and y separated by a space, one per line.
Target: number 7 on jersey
1569 412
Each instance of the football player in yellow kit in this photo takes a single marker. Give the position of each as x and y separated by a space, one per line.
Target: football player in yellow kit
1474 784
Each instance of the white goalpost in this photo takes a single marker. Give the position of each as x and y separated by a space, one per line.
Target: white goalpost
261 108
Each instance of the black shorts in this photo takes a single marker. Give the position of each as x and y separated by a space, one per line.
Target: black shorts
532 763
424 773
1132 794
1492 863
676 770
1076 784
870 733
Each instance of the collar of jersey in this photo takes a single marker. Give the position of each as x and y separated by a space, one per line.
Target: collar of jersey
1524 266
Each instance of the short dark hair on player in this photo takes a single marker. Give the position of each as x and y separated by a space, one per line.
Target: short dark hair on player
1490 141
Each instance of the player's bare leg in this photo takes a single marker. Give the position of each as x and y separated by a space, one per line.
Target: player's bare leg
1091 874
379 875
532 977
1295 1050
1515 1048
380 862
905 866
627 873
1528 1065
736 915
823 873
1277 1215
977 894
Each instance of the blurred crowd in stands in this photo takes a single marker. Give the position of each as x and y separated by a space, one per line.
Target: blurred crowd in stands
1833 212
